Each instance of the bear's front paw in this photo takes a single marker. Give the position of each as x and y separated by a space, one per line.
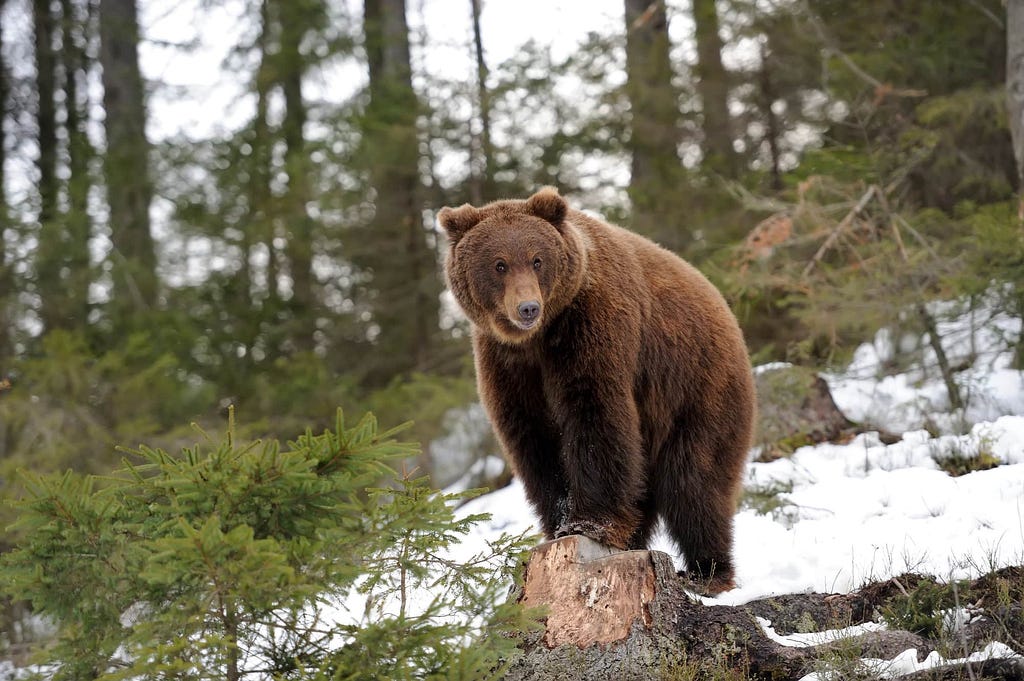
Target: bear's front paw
592 530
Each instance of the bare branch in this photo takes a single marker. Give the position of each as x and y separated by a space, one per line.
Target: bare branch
842 226
881 89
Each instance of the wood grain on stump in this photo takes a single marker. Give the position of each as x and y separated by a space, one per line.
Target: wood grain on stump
593 595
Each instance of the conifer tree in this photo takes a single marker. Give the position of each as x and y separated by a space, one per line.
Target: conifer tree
261 560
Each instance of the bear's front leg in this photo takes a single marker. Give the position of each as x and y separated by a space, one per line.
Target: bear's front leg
602 457
512 392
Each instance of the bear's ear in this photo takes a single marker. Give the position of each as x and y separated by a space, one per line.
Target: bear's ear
458 221
547 205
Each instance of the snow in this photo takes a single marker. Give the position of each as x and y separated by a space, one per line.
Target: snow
906 662
862 511
917 397
817 638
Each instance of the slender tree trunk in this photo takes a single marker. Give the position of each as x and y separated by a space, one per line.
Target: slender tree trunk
129 191
772 127
1015 89
258 224
395 250
50 250
657 180
484 186
77 222
6 281
300 240
1015 114
713 87
261 202
935 340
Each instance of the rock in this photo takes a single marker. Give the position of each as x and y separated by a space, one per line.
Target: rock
795 408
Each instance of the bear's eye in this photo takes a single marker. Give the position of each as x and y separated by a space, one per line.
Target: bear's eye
536 263
501 267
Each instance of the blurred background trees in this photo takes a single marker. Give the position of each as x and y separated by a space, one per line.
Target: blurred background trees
831 165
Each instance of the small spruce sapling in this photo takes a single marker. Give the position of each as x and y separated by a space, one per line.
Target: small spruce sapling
243 559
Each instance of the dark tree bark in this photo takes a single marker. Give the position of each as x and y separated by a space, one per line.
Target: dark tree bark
482 185
657 180
294 18
394 250
51 246
713 87
76 222
6 280
772 128
260 201
1015 88
935 341
126 165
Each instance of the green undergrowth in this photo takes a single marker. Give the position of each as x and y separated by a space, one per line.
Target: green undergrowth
311 559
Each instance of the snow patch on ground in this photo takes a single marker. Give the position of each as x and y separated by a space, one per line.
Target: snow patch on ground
906 662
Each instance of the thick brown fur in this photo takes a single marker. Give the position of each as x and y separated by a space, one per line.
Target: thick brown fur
628 396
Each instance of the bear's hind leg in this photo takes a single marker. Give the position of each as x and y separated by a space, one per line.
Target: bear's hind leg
696 493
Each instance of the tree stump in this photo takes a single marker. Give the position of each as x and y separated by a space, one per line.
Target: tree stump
593 594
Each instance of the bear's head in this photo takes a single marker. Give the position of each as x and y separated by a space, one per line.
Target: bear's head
513 265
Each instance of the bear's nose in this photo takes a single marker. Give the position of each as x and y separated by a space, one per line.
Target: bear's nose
529 310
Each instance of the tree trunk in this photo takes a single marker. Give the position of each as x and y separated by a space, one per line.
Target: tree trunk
6 280
394 249
50 250
126 165
483 181
772 128
261 203
1015 88
935 340
299 250
657 180
713 87
77 221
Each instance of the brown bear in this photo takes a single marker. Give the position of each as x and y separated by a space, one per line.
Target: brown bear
613 372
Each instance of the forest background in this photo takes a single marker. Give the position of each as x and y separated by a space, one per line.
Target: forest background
832 166
829 166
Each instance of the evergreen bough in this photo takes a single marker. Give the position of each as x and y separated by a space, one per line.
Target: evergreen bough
247 560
